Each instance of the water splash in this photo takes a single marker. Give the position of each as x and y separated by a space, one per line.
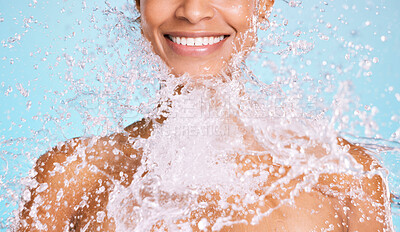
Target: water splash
125 87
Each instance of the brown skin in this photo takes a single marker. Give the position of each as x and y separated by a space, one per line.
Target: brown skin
93 179
202 18
86 169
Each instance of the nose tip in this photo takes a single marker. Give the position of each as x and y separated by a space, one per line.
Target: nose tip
194 11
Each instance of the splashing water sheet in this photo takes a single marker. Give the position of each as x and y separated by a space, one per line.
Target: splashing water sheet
321 70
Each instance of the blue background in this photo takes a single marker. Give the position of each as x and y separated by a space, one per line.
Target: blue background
38 37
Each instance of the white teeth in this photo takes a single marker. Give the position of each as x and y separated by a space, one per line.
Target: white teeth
205 41
197 41
190 41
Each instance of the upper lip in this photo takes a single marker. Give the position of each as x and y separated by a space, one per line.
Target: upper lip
196 34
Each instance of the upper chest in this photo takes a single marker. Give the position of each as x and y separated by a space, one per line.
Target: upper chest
308 212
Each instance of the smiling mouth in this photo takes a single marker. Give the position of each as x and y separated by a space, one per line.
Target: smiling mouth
196 41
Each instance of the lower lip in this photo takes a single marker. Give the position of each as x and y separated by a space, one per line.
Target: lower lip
194 51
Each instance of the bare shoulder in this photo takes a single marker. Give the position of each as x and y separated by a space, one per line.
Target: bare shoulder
365 196
112 156
75 176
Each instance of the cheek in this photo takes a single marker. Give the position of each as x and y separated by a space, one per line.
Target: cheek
242 15
242 19
153 13
239 15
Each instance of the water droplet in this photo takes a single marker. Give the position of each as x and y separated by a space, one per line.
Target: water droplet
365 64
285 22
8 91
42 187
328 25
203 223
293 3
323 36
397 95
100 216
22 90
297 33
28 105
60 194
